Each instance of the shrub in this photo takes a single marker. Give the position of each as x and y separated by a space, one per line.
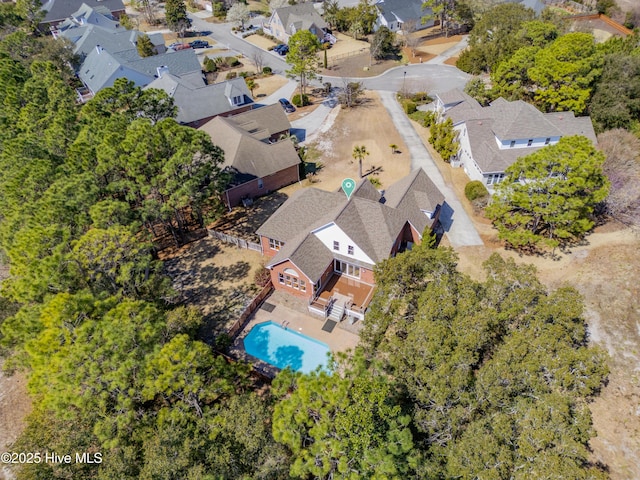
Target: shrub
474 190
426 119
267 70
300 101
209 65
421 97
375 181
262 276
243 74
232 61
409 107
231 75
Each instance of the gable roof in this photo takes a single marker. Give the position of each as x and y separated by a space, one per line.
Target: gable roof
99 67
196 102
303 16
403 10
249 157
371 221
514 120
262 122
58 10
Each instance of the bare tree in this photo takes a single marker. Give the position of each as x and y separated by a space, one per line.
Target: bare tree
350 93
411 40
622 167
258 60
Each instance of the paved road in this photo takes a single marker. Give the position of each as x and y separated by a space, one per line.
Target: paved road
433 78
456 222
221 33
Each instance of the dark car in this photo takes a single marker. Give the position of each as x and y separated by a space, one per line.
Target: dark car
286 105
199 44
282 49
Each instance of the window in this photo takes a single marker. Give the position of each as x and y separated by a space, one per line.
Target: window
350 249
237 100
513 144
336 245
530 142
260 183
494 178
347 269
303 286
280 278
547 141
275 244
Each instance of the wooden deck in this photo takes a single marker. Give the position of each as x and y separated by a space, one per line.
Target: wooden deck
360 293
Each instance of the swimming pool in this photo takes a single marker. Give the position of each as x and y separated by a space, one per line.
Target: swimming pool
283 348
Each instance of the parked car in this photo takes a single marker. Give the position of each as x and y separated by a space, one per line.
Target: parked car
286 105
179 46
199 44
281 48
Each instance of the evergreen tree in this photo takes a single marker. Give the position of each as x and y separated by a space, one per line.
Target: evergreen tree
145 47
176 16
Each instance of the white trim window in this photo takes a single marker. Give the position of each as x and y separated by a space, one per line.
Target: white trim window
494 178
346 269
275 244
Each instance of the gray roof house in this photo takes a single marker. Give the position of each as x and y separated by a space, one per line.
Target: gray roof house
286 21
492 138
331 243
198 102
108 51
394 13
257 152
58 11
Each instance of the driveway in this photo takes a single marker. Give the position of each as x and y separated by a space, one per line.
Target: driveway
457 224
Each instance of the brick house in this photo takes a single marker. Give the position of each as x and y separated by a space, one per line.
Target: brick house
323 247
257 152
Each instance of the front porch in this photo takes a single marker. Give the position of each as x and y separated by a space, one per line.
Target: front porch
342 295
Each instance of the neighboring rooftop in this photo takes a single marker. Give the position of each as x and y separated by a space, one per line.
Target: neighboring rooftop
402 10
59 10
196 102
302 16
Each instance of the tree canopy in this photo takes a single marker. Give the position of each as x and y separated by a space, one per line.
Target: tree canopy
303 46
550 196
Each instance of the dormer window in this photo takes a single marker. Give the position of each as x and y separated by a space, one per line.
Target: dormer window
547 141
237 100
350 249
530 142
513 144
336 245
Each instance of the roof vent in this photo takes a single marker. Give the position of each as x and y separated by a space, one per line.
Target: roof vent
162 69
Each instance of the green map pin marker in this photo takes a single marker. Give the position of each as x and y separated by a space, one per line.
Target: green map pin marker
348 186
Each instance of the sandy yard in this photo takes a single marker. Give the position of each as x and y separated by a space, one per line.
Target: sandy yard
268 85
260 41
605 271
15 405
369 125
217 278
345 46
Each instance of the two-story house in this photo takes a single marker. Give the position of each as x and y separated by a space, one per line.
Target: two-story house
323 246
492 138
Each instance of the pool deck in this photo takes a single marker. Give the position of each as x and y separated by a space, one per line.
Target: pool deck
338 341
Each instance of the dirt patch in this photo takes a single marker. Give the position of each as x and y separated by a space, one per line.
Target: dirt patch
369 125
217 278
346 46
15 405
359 66
244 221
268 85
260 41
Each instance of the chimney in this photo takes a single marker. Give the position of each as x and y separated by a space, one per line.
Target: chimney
162 69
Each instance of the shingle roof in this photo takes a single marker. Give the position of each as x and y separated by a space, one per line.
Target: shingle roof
197 102
270 119
403 10
248 156
514 120
304 211
302 16
371 223
61 9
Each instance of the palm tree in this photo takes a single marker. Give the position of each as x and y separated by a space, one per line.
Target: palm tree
394 148
359 152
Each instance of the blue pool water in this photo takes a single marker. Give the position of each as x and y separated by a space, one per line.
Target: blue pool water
283 348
